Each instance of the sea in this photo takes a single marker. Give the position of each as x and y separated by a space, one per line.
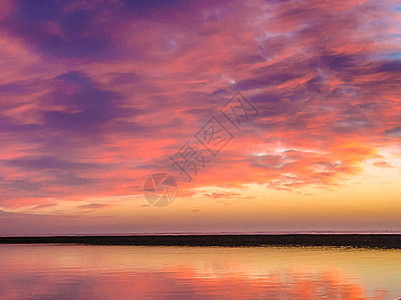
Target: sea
54 271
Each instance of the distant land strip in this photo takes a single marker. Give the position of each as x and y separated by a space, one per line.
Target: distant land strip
385 241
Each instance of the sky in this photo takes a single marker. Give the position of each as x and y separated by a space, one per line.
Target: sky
96 96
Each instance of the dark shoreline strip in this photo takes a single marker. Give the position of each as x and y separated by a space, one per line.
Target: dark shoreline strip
386 241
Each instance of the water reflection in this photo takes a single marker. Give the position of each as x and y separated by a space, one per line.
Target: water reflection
114 272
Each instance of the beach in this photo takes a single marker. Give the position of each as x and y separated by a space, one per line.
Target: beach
385 241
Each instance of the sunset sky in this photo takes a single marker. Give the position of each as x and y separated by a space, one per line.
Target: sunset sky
95 96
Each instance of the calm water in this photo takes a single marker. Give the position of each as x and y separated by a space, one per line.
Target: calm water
114 272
